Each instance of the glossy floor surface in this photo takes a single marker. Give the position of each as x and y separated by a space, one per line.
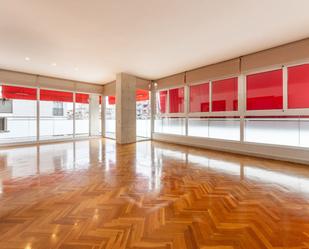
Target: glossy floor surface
95 194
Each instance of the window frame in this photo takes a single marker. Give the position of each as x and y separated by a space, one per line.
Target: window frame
302 111
167 114
220 113
284 111
38 137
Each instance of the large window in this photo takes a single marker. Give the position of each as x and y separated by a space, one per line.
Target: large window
176 100
56 114
110 116
18 114
265 90
82 114
225 95
298 86
199 98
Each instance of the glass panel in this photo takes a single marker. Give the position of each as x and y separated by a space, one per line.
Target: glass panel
110 117
298 86
143 114
82 114
265 90
225 95
176 97
272 131
198 127
158 124
170 126
56 114
224 128
161 102
18 114
199 98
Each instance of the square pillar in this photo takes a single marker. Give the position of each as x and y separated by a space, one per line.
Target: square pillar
94 113
125 108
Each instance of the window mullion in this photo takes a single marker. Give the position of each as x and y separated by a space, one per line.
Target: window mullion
285 88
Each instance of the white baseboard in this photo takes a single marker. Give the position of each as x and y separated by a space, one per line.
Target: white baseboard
284 153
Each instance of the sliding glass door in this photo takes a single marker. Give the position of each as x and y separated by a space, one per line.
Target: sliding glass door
143 114
18 114
81 114
56 114
110 117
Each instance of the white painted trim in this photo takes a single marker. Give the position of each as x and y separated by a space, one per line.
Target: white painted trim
74 110
210 97
38 114
285 88
46 141
186 106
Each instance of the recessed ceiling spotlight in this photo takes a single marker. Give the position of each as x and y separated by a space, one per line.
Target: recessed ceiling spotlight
54 64
27 58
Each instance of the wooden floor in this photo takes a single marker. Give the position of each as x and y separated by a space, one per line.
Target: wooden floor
93 194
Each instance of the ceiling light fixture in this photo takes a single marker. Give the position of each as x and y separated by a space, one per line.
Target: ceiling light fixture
54 64
76 68
27 58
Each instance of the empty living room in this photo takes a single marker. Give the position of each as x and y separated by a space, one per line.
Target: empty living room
154 124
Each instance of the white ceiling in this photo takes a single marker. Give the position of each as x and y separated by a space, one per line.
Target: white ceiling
92 40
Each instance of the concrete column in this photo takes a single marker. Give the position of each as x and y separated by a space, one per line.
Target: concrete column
153 107
125 108
103 106
94 115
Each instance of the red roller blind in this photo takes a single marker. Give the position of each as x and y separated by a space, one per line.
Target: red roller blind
16 92
265 91
111 100
298 86
142 95
225 95
50 95
82 98
199 98
176 100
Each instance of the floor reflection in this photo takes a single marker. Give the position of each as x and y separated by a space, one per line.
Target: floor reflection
95 183
148 162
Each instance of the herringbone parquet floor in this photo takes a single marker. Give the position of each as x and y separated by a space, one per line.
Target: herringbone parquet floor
93 194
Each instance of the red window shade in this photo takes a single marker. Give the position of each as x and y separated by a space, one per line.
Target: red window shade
265 91
82 98
142 95
225 95
298 86
162 101
49 95
176 100
199 98
16 92
100 100
111 100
